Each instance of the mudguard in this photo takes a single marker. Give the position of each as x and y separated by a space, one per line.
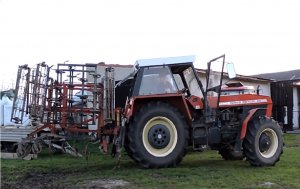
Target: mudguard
251 114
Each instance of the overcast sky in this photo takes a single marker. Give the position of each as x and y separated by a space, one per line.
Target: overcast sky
257 36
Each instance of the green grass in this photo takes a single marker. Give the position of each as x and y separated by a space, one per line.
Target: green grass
197 170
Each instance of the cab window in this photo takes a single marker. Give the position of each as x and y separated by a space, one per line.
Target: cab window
157 80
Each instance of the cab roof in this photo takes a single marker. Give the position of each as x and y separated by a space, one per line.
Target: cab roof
165 61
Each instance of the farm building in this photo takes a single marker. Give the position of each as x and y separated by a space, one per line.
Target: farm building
263 86
285 92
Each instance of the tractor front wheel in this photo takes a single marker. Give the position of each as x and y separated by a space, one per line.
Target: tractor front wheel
158 136
263 143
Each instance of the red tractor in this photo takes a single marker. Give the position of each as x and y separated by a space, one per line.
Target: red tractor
169 109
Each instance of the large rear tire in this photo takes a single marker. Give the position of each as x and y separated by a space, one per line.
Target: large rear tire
158 136
263 143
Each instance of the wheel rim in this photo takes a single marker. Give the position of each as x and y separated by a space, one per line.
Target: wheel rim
159 136
268 143
164 131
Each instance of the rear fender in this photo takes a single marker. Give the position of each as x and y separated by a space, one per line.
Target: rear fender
175 100
251 114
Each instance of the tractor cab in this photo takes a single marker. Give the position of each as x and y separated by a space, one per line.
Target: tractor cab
165 75
168 79
176 77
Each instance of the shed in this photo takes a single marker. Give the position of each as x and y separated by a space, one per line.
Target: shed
285 92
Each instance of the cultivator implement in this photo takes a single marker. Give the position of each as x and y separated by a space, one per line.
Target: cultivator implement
79 100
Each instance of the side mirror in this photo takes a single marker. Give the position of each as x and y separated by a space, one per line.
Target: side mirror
231 70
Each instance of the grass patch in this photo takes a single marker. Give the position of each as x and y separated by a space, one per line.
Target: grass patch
198 170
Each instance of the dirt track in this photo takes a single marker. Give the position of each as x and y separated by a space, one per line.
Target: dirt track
50 180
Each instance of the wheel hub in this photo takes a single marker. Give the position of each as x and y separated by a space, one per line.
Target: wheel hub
159 136
264 142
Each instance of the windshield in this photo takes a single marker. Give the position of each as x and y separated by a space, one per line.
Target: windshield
157 80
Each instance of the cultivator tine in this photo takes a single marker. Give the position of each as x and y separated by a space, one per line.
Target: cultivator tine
31 92
21 92
86 152
70 150
119 140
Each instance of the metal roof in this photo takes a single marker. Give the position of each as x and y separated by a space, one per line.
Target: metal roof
291 75
239 77
165 61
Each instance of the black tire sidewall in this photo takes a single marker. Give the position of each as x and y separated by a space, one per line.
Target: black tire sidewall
162 110
275 157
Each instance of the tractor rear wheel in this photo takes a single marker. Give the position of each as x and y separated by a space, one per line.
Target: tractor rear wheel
126 144
158 136
263 143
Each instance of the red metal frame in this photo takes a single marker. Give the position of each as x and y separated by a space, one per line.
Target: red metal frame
245 122
175 99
